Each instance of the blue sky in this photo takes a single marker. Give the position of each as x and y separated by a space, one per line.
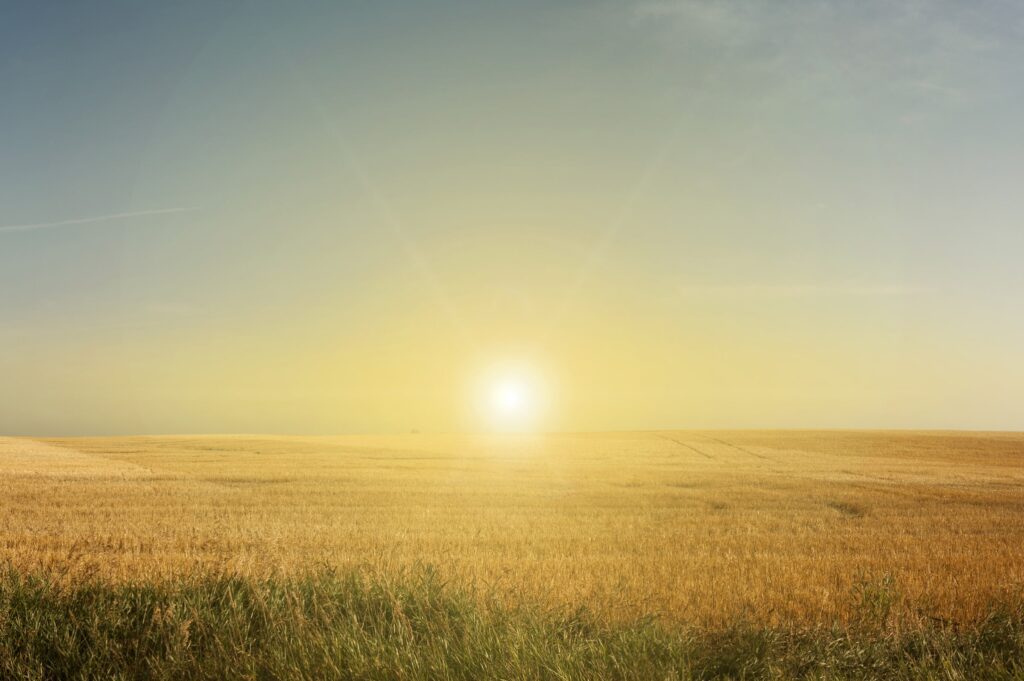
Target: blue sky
323 217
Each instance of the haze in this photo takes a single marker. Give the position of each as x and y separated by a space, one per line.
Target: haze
338 217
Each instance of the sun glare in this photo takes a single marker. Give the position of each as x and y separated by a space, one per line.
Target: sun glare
510 398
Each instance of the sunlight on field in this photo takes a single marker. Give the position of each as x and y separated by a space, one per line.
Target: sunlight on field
694 526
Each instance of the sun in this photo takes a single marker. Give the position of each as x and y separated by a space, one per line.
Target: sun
511 397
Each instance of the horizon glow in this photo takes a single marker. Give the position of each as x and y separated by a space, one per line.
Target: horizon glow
338 218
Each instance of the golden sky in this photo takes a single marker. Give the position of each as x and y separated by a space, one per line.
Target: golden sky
338 217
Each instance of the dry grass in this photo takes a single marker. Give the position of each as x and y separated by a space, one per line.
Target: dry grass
699 527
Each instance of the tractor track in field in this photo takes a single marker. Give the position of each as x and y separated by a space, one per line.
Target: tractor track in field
741 449
690 447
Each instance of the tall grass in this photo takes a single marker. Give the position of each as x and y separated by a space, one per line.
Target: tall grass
349 625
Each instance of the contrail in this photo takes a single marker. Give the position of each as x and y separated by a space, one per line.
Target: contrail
94 219
383 210
618 222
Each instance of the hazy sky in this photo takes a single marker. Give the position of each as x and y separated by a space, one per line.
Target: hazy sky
345 216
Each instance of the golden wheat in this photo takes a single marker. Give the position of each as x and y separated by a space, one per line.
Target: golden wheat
695 526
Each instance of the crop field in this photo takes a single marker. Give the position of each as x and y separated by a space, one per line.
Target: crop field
794 531
698 527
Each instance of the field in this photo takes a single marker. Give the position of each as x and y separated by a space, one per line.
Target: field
696 534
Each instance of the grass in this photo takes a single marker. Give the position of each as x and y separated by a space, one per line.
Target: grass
415 626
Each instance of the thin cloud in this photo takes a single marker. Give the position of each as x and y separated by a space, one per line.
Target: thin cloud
934 50
93 219
777 291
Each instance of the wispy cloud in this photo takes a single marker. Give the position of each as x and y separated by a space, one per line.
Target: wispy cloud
935 50
785 291
28 227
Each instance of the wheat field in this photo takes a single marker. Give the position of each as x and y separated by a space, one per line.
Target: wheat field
695 527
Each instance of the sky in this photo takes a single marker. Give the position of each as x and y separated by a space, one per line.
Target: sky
343 217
